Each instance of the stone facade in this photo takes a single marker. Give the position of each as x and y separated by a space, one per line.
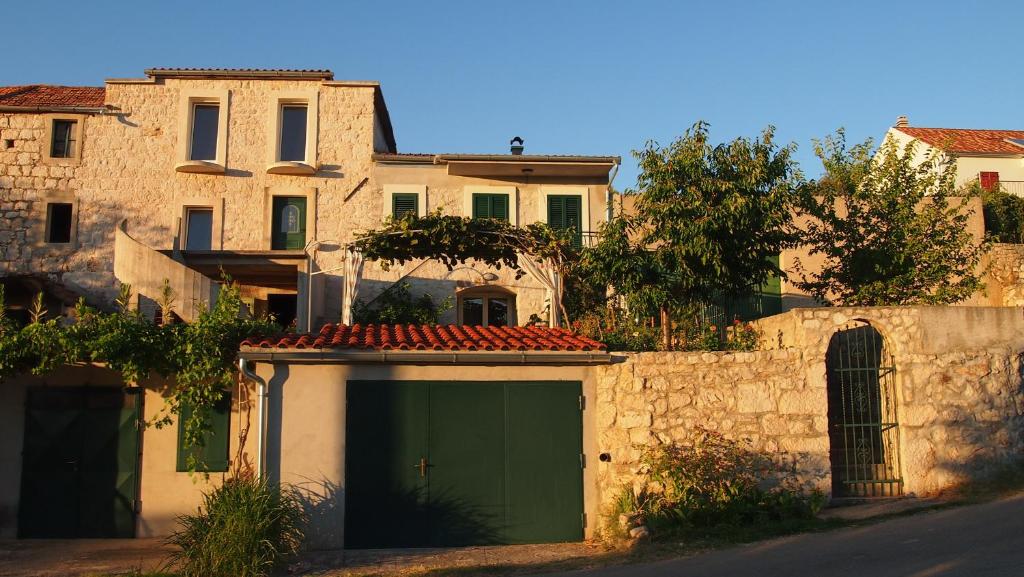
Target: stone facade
958 385
1005 280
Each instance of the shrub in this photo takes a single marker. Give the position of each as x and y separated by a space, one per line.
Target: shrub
712 483
245 528
1004 214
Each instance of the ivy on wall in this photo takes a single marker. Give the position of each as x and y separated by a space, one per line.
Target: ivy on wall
199 356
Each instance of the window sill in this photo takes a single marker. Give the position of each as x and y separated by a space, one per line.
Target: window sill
292 168
199 167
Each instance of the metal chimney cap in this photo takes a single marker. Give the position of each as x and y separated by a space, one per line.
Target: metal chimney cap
516 145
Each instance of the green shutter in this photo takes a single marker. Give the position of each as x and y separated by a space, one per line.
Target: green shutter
565 212
213 456
402 203
288 233
490 206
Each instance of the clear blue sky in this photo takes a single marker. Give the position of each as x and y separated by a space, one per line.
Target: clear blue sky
572 77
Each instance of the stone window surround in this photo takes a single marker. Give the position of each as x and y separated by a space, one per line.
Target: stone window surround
270 192
187 100
47 145
180 223
511 191
420 190
555 190
40 221
486 292
311 98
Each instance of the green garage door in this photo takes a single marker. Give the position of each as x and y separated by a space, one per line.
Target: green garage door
463 463
79 463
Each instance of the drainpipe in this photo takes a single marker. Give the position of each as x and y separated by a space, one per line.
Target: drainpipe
261 414
608 200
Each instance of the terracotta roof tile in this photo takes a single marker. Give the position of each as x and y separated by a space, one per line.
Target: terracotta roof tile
966 140
46 96
430 337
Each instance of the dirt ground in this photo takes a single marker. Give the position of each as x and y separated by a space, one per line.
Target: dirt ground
75 557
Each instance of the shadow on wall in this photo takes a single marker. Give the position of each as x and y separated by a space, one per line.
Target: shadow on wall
324 504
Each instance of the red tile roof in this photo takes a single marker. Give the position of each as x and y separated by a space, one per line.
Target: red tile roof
46 96
430 337
967 140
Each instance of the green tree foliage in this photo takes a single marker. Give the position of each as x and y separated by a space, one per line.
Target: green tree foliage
891 231
1004 213
707 219
199 356
396 305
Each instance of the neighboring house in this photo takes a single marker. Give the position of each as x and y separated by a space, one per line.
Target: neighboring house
261 174
990 157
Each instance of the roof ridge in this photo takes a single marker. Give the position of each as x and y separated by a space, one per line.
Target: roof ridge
963 129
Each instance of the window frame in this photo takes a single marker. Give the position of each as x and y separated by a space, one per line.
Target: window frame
186 110
275 116
511 191
486 293
269 223
179 222
48 134
186 227
40 220
583 192
392 189
578 237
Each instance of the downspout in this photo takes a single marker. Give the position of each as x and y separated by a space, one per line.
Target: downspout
608 201
261 414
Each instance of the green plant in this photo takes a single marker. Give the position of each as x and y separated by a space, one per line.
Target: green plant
244 528
1004 213
396 305
889 230
713 482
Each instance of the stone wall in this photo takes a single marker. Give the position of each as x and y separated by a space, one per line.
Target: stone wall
960 403
1005 280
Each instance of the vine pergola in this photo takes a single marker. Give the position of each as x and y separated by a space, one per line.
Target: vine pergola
536 250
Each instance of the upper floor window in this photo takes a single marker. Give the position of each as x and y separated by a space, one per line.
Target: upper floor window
488 306
205 119
63 139
565 213
203 131
292 133
289 223
989 180
403 203
487 205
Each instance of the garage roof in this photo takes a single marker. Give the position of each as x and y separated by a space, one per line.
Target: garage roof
431 338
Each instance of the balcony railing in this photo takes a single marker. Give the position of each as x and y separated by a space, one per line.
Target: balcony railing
1014 187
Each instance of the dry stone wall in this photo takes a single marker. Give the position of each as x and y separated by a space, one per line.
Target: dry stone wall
1005 281
958 387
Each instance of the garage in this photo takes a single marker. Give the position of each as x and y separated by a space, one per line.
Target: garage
428 436
80 459
463 463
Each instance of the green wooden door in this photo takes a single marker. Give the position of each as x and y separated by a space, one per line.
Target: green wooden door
463 463
289 223
80 463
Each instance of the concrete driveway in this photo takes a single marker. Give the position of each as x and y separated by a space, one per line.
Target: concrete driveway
977 540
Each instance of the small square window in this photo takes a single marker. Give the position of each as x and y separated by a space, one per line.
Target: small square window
403 203
199 229
58 222
205 118
293 132
9 143
63 143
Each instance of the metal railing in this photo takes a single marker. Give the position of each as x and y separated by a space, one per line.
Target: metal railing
1014 187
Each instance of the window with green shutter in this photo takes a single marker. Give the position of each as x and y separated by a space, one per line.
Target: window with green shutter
490 206
402 203
212 457
565 211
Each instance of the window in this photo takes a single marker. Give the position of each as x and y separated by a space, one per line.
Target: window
565 212
59 222
62 142
490 206
403 203
198 229
293 132
212 456
205 120
289 223
490 306
989 180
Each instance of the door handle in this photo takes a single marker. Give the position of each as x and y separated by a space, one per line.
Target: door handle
422 466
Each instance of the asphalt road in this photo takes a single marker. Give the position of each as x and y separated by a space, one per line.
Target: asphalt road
975 540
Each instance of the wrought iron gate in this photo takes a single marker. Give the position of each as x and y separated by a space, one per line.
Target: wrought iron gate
864 432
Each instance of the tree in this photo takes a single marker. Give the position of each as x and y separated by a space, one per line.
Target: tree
892 231
706 220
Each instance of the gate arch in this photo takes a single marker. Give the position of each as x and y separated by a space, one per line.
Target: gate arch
864 434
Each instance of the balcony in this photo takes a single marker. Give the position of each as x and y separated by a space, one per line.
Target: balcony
1014 187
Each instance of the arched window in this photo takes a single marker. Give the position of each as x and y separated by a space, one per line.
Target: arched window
290 219
487 306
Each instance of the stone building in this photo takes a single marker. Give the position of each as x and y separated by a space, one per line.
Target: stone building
262 174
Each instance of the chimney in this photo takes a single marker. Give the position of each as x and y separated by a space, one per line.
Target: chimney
517 145
902 121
